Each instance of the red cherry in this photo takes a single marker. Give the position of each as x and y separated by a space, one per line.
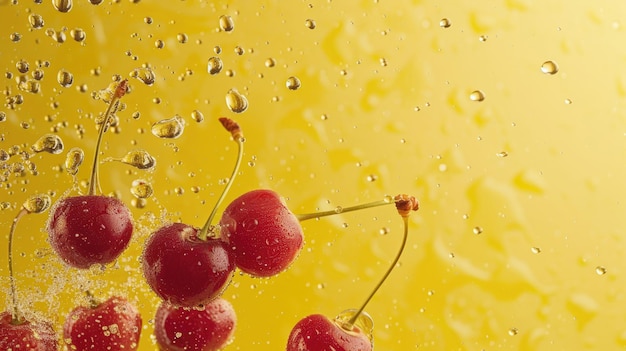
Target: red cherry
86 230
208 328
25 335
261 232
186 270
114 325
318 333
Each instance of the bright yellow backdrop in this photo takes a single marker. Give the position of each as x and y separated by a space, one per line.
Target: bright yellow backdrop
536 168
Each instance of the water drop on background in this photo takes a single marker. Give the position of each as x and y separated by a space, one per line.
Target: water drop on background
65 78
445 23
309 23
62 5
226 23
215 65
139 158
141 189
477 95
293 83
197 116
51 143
600 270
169 128
549 67
37 203
36 21
78 34
477 230
236 102
73 160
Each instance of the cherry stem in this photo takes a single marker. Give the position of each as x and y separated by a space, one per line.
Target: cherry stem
404 204
237 135
121 89
339 210
15 313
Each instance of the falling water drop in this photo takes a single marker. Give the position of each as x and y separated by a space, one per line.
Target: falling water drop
215 65
65 78
236 102
170 128
226 23
73 160
549 67
139 158
141 189
293 83
51 143
37 203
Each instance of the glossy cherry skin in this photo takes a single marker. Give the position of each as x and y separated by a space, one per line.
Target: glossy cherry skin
318 333
88 230
183 269
114 325
26 335
209 328
262 233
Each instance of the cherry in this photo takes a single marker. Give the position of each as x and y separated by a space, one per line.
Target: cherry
264 236
206 328
188 266
351 330
17 333
92 229
113 325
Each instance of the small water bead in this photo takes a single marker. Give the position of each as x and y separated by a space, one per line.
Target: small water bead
477 230
535 250
513 331
226 23
50 143
477 95
15 37
371 178
159 44
37 74
182 38
549 67
65 78
63 5
37 203
236 102
22 66
600 270
293 83
144 74
141 189
197 116
502 154
239 50
384 231
36 21
445 23
568 101
483 38
217 49
59 37
214 65
74 159
3 116
309 23
270 62
169 128
139 158
78 34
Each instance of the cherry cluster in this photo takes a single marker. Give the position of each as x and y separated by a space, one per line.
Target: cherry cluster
188 267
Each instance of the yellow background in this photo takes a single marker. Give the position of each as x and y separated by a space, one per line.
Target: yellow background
384 108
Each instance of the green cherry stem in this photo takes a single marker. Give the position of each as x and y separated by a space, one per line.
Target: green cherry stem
405 204
34 204
120 90
237 135
306 216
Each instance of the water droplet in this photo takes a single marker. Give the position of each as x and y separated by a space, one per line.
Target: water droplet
384 231
182 38
482 38
371 178
22 66
3 116
78 34
236 102
513 331
37 203
535 250
65 78
73 160
293 83
144 74
197 116
51 143
364 322
477 230
445 23
226 23
549 67
502 154
36 21
309 23
62 5
568 101
139 159
239 50
477 95
141 189
600 270
159 44
15 37
169 128
215 65
270 62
